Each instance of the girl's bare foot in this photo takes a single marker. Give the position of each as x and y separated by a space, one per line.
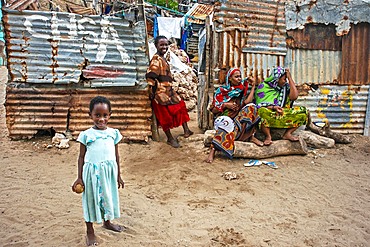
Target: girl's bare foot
267 141
256 141
116 228
91 239
290 137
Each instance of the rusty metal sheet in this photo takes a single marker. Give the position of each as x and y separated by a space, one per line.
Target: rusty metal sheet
314 37
261 25
338 12
55 47
356 55
226 49
2 40
199 12
314 66
30 109
343 106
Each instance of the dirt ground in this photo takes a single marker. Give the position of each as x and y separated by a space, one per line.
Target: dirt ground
173 198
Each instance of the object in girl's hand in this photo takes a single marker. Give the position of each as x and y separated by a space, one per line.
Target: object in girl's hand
79 188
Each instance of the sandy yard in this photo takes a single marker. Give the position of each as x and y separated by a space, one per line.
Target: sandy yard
173 198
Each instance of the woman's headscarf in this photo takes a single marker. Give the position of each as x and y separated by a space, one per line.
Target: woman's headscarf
273 79
226 92
270 93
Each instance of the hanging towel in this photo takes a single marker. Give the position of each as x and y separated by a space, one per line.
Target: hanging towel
170 27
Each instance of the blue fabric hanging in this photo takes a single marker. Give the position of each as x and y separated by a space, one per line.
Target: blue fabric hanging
155 26
186 33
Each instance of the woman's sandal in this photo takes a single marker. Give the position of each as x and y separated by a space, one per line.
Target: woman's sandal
186 135
173 143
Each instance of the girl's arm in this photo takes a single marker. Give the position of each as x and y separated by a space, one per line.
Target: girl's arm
81 160
120 182
293 95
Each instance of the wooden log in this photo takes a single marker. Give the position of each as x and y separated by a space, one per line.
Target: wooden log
208 137
277 148
327 132
252 151
316 141
192 138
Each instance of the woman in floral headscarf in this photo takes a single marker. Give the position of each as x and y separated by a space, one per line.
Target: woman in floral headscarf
236 114
274 98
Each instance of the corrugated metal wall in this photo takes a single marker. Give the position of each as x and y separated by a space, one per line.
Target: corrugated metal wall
250 35
55 47
343 106
261 23
314 66
2 40
32 109
59 61
131 112
356 55
341 13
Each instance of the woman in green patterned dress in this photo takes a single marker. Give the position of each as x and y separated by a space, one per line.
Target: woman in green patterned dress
274 99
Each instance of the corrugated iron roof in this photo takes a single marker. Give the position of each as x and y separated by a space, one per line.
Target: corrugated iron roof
200 12
338 12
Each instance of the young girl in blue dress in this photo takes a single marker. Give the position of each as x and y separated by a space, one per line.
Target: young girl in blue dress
99 171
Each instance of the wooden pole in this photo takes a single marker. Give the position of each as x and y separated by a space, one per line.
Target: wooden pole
155 132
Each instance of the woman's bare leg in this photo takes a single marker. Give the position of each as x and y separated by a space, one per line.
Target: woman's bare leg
288 135
249 135
256 141
244 135
268 138
170 140
187 131
211 155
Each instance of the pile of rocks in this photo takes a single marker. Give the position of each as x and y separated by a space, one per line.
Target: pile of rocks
185 79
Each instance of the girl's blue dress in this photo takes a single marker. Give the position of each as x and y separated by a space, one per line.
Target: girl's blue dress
100 199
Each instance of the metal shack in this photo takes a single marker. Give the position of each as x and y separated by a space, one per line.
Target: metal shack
58 61
326 44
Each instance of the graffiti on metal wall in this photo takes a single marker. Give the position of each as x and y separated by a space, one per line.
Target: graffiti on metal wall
335 104
79 31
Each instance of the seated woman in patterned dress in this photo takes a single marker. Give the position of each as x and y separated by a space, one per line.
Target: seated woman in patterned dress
274 99
236 115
